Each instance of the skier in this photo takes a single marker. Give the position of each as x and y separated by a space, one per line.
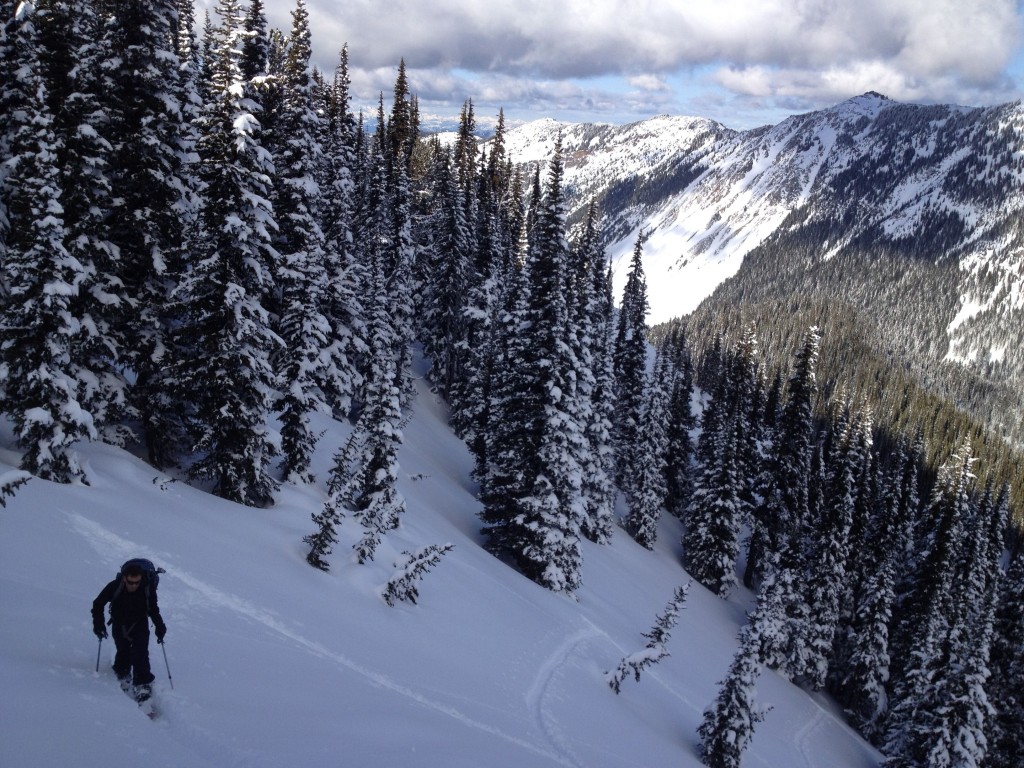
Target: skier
133 602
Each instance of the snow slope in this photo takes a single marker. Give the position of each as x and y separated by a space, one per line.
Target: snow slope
277 664
705 196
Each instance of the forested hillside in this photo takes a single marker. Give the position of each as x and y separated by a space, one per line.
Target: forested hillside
203 248
893 227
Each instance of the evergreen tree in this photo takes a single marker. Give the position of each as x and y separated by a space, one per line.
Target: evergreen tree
728 724
143 77
401 257
486 282
551 514
255 55
531 486
344 271
786 513
860 671
445 281
402 585
657 642
681 422
302 275
1005 728
593 317
332 513
965 708
630 360
918 729
648 496
503 441
373 496
720 504
224 326
402 130
71 54
867 669
913 543
831 546
41 278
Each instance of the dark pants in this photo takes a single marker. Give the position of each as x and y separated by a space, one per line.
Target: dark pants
132 643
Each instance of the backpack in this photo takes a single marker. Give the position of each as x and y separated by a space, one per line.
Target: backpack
150 576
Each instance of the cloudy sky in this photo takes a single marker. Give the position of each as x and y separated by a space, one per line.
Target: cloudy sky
742 62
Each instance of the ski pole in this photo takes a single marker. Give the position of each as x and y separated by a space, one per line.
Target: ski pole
164 647
98 649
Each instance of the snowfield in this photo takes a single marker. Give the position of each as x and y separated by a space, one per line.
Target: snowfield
277 664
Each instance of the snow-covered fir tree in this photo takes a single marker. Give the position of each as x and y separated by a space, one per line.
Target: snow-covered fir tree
224 334
372 493
630 361
150 140
860 668
1005 727
494 276
399 252
321 542
303 365
656 648
552 512
681 423
831 545
503 443
720 503
728 724
72 51
531 489
345 278
592 317
444 270
786 513
918 728
649 459
403 583
41 279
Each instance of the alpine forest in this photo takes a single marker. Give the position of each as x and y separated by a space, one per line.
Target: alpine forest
202 245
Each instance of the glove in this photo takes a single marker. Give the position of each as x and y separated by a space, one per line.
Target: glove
100 631
160 632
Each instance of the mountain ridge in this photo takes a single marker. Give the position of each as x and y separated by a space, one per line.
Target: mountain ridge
922 202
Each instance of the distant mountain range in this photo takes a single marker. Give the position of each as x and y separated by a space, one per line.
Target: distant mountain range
910 216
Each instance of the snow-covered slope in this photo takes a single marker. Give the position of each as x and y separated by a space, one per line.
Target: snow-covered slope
908 215
705 195
277 664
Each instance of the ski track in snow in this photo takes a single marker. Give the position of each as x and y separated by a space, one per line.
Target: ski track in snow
110 545
539 691
803 737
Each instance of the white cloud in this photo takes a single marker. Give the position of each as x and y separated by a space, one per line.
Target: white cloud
649 83
805 50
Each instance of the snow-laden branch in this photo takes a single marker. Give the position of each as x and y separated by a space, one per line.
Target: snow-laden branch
10 481
402 585
657 639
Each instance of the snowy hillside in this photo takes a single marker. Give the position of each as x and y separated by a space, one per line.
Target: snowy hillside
277 664
707 195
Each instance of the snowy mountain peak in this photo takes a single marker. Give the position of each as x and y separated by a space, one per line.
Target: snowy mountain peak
937 183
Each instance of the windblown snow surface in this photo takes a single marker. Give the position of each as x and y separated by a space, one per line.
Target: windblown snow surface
277 664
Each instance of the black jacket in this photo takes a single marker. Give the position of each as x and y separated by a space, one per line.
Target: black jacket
127 608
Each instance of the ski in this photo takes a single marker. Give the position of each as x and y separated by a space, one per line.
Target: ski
149 708
147 705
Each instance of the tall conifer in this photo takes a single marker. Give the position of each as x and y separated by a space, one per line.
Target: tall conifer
150 148
36 355
303 365
630 359
225 329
